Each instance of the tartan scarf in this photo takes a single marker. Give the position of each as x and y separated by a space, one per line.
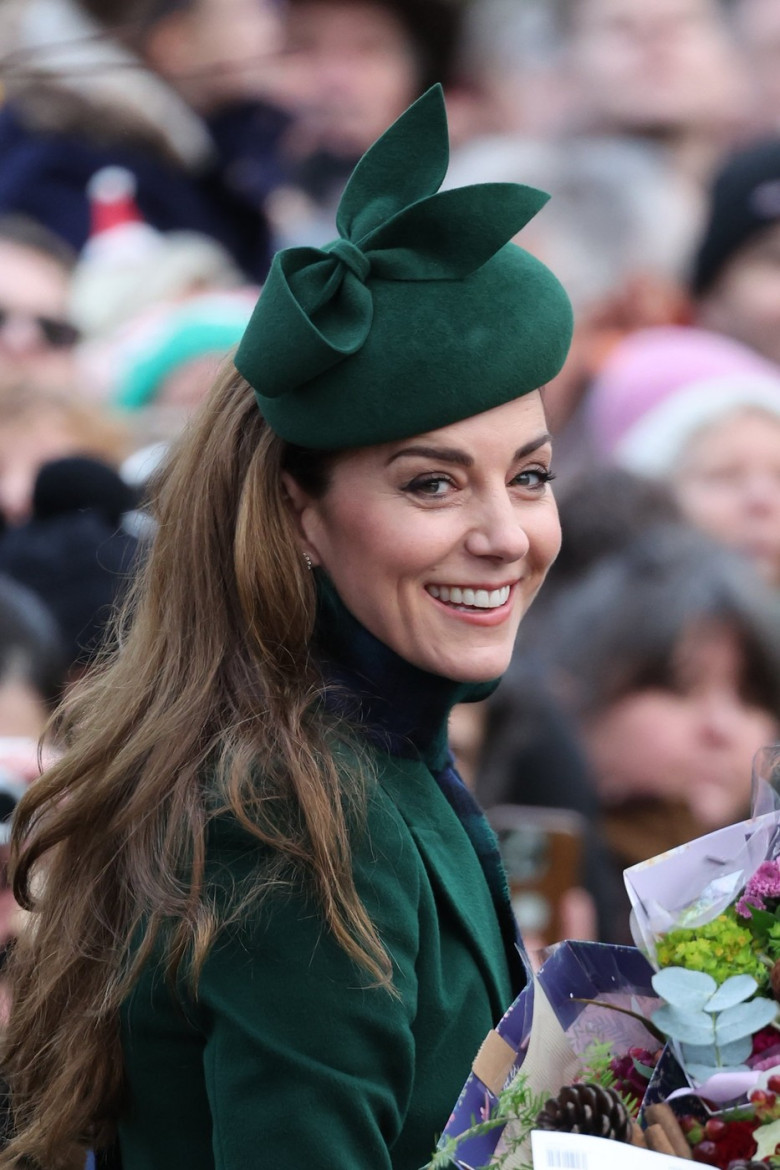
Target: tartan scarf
404 712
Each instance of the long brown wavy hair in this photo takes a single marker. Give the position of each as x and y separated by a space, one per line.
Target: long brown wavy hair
211 685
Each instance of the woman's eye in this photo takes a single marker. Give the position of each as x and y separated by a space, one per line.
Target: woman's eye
429 485
534 478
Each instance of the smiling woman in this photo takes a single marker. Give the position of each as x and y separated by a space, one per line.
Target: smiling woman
458 532
293 907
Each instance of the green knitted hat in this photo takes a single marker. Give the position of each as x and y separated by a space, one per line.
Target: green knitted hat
419 315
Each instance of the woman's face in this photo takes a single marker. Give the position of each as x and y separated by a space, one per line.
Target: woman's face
695 738
728 484
439 543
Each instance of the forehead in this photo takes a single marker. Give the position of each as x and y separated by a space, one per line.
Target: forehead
330 20
747 426
587 12
26 275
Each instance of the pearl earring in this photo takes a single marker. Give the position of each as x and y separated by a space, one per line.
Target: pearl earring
308 561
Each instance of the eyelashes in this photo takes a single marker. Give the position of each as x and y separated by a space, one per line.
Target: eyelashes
437 485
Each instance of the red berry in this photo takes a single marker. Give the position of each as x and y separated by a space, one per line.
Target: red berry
706 1152
688 1122
759 1098
715 1129
774 1083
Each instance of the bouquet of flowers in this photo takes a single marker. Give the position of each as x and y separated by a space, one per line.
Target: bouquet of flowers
653 1056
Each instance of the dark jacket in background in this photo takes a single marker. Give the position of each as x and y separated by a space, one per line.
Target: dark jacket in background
52 142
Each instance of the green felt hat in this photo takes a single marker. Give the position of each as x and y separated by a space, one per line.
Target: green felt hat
419 315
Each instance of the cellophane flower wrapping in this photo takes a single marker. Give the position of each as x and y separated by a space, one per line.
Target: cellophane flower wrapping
684 916
546 1032
710 910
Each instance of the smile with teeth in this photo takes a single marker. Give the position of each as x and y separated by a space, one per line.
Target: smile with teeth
475 598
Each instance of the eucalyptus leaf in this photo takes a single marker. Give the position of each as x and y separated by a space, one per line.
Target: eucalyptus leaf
737 1051
700 1054
702 1072
726 1056
744 1019
688 1027
735 990
684 989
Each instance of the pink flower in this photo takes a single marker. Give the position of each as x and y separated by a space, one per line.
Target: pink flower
765 883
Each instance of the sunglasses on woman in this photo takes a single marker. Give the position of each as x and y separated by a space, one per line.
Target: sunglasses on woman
52 331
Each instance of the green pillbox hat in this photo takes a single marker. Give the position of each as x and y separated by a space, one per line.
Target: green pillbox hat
419 315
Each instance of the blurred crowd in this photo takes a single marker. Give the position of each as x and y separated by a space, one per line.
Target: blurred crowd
155 153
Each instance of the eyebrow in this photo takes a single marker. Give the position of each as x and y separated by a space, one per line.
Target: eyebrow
461 458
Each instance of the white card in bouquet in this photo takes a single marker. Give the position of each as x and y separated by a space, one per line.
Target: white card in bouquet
575 1151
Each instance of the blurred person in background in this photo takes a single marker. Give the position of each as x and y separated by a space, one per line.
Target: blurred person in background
31 677
172 90
75 553
175 363
37 426
667 657
757 24
670 72
735 277
700 413
37 333
619 228
350 67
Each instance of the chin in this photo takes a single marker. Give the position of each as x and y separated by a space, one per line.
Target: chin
477 671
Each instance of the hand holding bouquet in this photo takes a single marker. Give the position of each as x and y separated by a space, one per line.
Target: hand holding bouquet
676 1048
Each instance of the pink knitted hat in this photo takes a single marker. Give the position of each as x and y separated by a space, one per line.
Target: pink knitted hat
652 365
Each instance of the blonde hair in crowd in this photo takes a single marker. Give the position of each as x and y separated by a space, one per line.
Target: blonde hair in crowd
212 687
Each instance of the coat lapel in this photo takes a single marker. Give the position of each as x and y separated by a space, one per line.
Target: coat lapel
454 870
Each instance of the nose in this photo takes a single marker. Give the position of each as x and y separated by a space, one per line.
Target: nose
497 529
720 714
19 335
761 492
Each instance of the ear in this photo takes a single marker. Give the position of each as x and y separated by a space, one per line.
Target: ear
303 508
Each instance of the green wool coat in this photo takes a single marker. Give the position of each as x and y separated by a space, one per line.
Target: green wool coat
288 1058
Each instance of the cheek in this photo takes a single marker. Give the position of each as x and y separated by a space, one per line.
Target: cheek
545 537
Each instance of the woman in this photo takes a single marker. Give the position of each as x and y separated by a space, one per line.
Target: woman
273 926
667 656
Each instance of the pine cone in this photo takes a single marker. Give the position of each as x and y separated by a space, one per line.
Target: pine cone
587 1109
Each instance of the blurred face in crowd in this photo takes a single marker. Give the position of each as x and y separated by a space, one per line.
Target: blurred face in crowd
25 445
744 300
439 543
695 737
728 484
36 337
217 51
654 67
350 70
758 22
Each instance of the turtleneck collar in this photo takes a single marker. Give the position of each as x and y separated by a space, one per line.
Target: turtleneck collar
404 709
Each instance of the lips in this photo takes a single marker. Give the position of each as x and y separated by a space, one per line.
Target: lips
474 598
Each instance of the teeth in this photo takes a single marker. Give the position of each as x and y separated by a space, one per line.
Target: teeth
476 598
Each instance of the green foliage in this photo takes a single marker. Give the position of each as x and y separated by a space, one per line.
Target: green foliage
713 1024
597 1069
721 948
772 941
516 1103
